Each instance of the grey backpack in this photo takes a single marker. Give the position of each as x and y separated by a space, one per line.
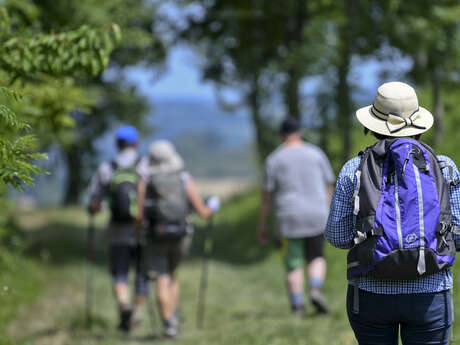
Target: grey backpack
166 205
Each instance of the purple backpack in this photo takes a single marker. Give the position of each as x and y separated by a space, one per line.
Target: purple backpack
403 215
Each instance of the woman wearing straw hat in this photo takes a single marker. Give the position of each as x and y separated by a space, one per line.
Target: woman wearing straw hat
163 201
404 290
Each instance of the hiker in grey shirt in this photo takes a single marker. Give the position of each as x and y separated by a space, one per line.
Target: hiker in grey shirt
299 179
123 240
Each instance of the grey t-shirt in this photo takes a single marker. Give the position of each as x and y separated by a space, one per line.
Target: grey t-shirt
298 177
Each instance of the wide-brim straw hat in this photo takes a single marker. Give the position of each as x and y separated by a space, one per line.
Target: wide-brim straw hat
395 112
163 158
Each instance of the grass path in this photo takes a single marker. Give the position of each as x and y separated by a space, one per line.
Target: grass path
246 301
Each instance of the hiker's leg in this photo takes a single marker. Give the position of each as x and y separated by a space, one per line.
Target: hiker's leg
293 252
164 297
314 255
175 256
142 285
316 271
175 293
122 295
119 267
377 322
295 281
427 318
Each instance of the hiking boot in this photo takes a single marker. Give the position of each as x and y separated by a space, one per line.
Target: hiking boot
125 320
299 311
319 301
171 329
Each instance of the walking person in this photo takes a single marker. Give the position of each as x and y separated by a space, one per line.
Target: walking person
299 179
396 206
163 205
117 180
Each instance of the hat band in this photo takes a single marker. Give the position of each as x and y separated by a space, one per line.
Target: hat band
395 122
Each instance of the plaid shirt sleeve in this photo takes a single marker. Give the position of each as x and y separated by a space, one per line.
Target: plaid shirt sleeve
340 228
454 194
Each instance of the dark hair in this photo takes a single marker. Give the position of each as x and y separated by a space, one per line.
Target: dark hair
383 136
289 125
122 144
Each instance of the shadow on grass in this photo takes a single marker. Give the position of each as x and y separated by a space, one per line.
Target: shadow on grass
62 243
234 236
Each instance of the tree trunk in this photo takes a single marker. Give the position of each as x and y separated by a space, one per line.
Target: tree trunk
263 143
438 107
74 176
295 28
292 93
344 104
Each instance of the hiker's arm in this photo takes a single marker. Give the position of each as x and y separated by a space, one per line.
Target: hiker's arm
340 226
141 190
262 229
98 187
330 192
195 199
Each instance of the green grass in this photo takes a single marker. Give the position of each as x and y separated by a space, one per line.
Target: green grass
246 300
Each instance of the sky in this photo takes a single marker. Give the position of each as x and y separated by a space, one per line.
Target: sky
180 78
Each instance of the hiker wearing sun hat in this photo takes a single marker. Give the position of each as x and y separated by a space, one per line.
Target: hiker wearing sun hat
165 195
396 206
116 180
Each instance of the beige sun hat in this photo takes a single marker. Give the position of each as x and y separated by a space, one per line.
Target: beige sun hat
395 112
164 158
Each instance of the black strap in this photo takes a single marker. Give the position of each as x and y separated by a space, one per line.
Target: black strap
356 296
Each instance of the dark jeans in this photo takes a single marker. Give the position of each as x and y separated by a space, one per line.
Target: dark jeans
420 318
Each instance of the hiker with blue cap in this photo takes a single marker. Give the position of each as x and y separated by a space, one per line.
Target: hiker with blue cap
117 180
396 208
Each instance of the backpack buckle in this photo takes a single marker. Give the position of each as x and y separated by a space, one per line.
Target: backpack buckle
360 237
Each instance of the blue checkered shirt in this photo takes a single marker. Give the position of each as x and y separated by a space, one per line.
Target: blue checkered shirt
340 232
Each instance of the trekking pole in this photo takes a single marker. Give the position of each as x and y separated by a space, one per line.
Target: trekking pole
208 247
89 280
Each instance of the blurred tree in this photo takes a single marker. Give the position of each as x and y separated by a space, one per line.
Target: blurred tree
113 100
232 38
269 48
28 58
428 33
260 48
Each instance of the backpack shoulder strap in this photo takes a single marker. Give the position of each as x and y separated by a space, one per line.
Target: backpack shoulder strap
450 169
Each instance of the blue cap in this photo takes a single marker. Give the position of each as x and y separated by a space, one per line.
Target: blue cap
128 134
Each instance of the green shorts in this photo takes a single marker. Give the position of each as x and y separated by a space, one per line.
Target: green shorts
295 251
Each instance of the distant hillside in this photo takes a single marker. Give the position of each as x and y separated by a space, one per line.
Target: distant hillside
173 119
212 142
